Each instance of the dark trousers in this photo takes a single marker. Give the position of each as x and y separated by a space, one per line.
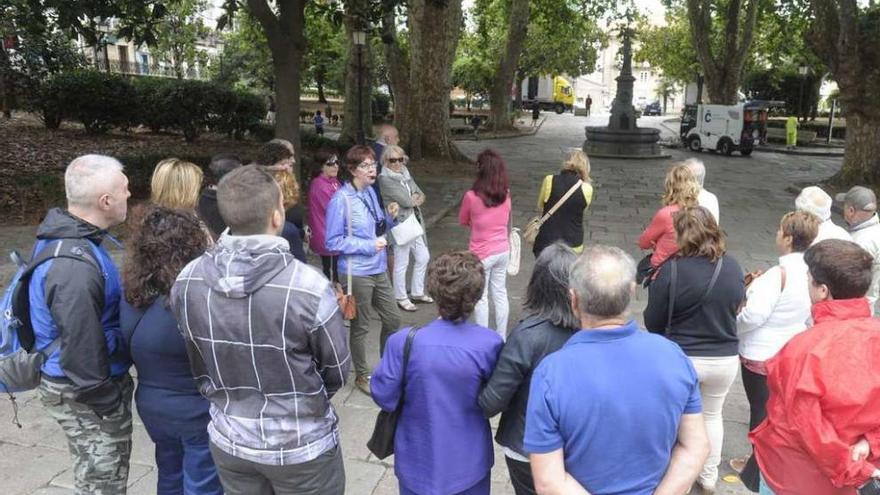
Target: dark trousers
184 461
324 475
330 266
521 477
757 394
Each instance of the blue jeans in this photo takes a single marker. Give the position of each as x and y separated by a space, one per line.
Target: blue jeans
183 459
764 489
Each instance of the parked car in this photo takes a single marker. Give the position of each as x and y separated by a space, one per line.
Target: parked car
653 109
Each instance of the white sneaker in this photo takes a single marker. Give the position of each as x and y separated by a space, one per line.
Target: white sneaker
406 305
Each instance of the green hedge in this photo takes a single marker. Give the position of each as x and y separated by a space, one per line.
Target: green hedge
101 101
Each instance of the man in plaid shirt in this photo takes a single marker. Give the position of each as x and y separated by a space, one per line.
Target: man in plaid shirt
267 347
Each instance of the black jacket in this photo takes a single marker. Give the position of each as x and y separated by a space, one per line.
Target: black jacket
507 391
209 212
701 330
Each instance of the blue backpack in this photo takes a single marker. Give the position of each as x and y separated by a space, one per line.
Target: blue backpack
20 362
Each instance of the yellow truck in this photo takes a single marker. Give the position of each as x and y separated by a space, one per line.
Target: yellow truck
548 92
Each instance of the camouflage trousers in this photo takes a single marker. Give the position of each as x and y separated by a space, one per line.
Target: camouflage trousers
101 447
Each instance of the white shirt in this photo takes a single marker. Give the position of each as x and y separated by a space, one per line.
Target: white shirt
773 315
828 230
710 202
867 235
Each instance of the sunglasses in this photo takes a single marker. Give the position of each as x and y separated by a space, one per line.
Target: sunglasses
333 162
397 160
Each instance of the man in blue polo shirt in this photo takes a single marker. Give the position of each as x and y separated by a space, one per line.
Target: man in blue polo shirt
616 410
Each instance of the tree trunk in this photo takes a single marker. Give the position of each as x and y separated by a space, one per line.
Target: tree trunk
5 85
353 21
518 91
319 81
861 160
398 72
435 29
499 96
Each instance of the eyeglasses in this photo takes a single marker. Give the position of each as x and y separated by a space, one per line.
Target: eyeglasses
332 162
366 165
397 160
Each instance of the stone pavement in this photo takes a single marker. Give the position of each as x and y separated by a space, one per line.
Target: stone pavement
751 191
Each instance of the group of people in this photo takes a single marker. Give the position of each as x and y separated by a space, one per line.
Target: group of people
239 344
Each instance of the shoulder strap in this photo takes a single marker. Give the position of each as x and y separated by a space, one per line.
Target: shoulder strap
712 282
348 225
562 200
673 278
406 350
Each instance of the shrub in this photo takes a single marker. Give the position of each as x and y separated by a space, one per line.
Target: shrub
95 99
236 112
151 112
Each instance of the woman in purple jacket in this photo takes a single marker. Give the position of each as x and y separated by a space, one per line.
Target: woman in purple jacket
443 443
322 188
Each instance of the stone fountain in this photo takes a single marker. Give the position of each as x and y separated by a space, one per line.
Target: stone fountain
622 138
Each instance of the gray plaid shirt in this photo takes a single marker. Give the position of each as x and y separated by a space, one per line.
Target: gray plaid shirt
267 346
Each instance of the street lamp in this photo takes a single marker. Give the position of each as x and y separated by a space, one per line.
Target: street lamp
802 70
360 39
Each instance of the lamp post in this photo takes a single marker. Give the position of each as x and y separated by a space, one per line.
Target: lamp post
802 70
360 39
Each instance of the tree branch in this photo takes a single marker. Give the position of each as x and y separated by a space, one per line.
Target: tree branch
263 13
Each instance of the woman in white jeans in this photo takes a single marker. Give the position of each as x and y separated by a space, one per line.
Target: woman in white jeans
705 287
398 187
485 208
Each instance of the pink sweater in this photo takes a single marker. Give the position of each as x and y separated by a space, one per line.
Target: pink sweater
488 225
660 236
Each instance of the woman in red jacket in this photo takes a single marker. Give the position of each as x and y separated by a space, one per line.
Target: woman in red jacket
822 432
681 191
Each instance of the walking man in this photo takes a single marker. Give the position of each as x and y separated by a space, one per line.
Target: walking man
85 385
608 444
267 346
588 103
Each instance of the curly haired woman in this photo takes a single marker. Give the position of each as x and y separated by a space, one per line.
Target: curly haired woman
680 191
174 413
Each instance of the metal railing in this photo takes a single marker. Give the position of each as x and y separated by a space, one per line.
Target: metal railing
140 69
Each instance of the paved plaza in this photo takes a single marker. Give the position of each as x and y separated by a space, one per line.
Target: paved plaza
752 196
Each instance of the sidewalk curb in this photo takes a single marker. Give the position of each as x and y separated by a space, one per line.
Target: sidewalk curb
801 153
531 132
445 210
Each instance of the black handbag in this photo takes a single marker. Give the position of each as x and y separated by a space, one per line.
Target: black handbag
381 443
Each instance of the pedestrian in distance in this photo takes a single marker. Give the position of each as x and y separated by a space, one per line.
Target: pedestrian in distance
566 224
589 104
85 385
547 326
318 120
579 432
221 164
162 241
821 432
680 191
267 345
693 302
486 210
791 132
356 229
398 187
860 214
443 443
321 189
475 123
777 308
814 200
536 114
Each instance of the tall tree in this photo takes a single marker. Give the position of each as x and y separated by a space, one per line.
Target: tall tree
845 36
283 24
178 32
359 73
722 32
518 12
325 49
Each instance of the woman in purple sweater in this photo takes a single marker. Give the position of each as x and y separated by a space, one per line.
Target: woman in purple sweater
443 444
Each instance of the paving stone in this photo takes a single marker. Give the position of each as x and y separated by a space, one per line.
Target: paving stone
26 470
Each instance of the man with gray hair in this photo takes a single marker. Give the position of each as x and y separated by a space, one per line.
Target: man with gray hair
816 201
587 429
74 308
860 213
705 199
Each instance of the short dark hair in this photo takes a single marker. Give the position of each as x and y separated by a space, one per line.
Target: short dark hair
455 281
246 198
547 294
221 164
356 155
271 153
802 227
843 266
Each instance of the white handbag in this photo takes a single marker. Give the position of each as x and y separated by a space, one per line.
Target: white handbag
407 230
515 252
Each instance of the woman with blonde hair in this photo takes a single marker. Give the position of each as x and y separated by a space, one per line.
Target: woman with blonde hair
566 224
704 287
680 191
176 184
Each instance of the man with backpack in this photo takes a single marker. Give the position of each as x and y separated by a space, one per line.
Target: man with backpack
74 313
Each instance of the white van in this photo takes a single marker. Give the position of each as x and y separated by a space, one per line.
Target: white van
724 128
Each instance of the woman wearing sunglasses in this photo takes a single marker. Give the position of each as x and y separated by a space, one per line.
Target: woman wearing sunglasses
356 230
321 189
398 187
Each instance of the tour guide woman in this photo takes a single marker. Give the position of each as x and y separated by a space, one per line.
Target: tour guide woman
355 208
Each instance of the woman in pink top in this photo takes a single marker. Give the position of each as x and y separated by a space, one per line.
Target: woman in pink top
486 210
322 188
681 191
